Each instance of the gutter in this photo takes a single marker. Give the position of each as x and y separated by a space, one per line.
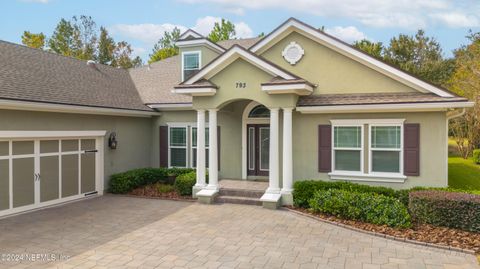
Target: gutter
456 115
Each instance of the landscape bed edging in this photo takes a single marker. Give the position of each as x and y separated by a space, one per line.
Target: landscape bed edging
395 238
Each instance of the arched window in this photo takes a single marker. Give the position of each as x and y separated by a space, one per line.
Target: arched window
259 111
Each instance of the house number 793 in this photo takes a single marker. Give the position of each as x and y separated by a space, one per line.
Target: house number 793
240 85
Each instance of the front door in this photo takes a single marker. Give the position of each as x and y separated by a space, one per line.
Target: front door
258 145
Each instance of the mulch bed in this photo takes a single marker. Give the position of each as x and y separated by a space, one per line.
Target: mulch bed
419 232
151 191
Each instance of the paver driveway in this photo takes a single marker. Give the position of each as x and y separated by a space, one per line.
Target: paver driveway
122 232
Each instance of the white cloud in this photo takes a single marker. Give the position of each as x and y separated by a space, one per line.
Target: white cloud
348 34
145 32
376 13
455 19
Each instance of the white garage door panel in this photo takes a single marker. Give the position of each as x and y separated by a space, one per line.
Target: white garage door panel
39 172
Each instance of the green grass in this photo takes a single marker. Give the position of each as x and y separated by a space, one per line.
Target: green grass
463 174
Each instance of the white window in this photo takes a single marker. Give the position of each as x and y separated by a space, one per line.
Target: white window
177 146
194 147
385 148
348 148
190 63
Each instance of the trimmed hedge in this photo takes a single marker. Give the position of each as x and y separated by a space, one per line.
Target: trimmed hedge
303 190
476 156
184 183
129 180
363 206
449 209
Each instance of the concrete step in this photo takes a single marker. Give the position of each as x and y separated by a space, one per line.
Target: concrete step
241 192
238 200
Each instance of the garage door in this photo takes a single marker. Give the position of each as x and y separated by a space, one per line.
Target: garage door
41 172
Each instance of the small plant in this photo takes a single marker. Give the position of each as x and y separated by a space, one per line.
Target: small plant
367 207
448 209
164 188
476 156
184 183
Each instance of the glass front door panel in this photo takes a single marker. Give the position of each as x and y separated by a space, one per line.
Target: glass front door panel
258 144
264 148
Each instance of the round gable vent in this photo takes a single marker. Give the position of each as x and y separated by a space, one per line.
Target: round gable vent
293 53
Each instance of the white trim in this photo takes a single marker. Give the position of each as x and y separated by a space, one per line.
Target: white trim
246 120
350 52
191 33
188 106
186 127
356 122
47 107
50 134
203 91
231 55
295 59
367 177
297 88
439 106
193 52
197 42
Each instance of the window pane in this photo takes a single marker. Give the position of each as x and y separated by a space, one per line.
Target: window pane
264 148
190 61
385 137
386 161
347 160
259 111
178 136
178 157
347 137
194 156
188 73
194 137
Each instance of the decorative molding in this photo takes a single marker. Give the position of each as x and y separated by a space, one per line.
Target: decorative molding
197 42
299 89
440 106
293 53
51 134
204 91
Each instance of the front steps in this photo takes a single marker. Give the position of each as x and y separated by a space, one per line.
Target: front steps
239 196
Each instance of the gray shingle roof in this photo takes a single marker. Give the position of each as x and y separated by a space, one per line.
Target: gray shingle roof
34 75
374 98
245 42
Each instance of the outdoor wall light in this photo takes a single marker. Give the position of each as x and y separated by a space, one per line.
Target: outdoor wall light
112 140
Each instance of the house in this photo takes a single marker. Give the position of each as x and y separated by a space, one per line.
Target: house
295 104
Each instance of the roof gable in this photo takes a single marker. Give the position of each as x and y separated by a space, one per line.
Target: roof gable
294 25
230 56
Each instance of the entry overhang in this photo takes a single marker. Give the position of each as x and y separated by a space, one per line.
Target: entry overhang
297 88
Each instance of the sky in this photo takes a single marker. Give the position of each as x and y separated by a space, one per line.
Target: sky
143 22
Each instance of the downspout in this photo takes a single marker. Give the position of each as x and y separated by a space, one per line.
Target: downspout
452 116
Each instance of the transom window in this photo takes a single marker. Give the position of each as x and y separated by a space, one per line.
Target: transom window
259 111
347 148
190 63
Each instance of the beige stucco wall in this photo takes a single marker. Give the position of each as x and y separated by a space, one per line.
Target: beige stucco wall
242 71
331 71
133 134
433 151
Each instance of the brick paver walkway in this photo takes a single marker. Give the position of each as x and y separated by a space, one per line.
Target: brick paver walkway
122 232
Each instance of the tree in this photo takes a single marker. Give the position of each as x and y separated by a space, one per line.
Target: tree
165 46
106 47
85 37
420 55
373 48
224 30
122 56
465 81
32 40
62 40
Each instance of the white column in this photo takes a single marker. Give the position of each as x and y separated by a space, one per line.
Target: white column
200 149
213 151
273 186
287 151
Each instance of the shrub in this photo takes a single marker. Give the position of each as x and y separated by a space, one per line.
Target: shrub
164 188
363 206
449 209
303 190
127 181
179 171
184 183
476 156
